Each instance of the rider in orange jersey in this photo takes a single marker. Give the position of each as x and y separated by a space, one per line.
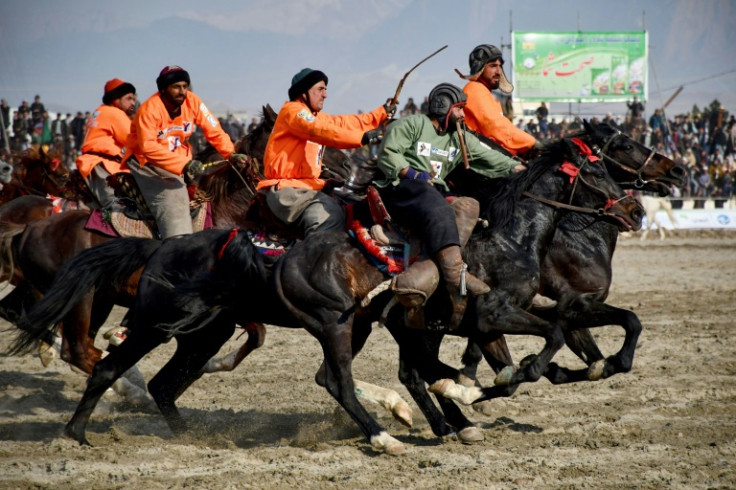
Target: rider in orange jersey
293 158
104 140
159 154
483 113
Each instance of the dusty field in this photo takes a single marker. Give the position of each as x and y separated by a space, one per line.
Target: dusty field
671 422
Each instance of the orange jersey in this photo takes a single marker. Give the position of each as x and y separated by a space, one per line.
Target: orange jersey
293 156
104 140
483 114
156 139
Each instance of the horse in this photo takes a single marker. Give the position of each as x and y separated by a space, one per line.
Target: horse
652 205
37 173
195 288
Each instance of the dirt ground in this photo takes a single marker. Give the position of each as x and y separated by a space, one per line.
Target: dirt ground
670 422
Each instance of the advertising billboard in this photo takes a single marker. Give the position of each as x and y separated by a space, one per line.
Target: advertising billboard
579 66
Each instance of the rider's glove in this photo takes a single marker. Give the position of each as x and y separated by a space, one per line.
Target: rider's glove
238 159
371 137
193 171
414 175
390 108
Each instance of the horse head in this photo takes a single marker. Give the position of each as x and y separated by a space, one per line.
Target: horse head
39 172
633 165
580 182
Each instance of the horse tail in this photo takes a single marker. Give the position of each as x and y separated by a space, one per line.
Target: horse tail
110 263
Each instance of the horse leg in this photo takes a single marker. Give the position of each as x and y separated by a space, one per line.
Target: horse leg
193 350
82 353
387 398
256 337
104 374
512 320
498 357
336 341
583 345
588 314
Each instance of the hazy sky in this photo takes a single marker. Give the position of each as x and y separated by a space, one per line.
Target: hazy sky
242 54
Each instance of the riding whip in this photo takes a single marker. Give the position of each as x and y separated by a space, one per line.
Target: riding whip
395 100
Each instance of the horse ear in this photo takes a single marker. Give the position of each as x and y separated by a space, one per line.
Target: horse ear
269 114
588 127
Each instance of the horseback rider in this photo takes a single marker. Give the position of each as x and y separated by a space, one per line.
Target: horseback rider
159 155
293 158
104 140
417 152
483 113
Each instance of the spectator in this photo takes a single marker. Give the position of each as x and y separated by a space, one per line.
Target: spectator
37 110
636 108
253 125
6 123
424 108
77 130
542 113
410 107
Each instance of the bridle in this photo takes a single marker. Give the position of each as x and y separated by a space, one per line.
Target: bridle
575 178
637 183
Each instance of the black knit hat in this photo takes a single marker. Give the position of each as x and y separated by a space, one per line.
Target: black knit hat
116 88
172 74
304 80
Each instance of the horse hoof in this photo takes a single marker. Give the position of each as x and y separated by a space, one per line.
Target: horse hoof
483 408
402 413
595 371
449 389
470 435
387 444
46 353
504 377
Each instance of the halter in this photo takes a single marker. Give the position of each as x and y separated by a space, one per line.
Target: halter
639 182
575 177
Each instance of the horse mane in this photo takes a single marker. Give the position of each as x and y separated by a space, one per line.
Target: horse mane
498 197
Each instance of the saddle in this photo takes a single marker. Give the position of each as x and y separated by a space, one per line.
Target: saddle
131 216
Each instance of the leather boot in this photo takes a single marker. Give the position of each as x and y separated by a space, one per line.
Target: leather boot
412 288
466 210
459 282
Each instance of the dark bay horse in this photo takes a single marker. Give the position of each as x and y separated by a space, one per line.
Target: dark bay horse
195 288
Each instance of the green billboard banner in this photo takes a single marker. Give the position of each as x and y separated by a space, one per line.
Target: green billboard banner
579 66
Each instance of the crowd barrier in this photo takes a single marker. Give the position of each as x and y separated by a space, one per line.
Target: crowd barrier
698 213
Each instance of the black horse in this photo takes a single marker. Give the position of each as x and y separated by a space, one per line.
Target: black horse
195 288
576 271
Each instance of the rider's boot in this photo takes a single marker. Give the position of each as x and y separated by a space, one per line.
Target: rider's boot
412 288
459 282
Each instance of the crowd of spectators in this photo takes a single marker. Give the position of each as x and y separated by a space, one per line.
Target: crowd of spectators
703 141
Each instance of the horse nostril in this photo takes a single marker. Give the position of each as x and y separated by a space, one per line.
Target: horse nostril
678 171
637 214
